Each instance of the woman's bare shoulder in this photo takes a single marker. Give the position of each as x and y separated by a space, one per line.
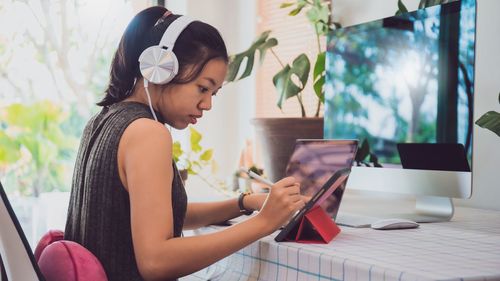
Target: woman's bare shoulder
144 130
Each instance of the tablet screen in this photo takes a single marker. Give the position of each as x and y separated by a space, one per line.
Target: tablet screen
313 162
333 183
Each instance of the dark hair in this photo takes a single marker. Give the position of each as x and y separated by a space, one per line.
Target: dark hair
194 48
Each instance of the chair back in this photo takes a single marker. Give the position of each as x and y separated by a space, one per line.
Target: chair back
3 275
15 251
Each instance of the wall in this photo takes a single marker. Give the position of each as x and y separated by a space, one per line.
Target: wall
486 186
295 36
486 153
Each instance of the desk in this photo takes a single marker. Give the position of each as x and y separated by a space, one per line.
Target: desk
466 248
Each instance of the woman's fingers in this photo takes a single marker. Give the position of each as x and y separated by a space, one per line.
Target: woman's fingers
299 205
293 189
283 201
305 198
295 197
288 181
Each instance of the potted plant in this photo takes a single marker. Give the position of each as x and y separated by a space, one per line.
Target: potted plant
278 135
193 160
490 120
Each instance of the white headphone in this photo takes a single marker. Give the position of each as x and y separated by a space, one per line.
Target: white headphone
158 64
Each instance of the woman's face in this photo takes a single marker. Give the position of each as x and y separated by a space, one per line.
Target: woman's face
183 104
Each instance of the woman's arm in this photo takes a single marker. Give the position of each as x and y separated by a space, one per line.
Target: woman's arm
146 170
206 213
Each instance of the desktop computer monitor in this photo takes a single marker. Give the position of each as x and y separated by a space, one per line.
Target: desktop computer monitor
405 85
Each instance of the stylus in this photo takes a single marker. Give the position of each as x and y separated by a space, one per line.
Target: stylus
258 178
261 179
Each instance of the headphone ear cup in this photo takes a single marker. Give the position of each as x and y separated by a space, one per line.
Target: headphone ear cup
158 65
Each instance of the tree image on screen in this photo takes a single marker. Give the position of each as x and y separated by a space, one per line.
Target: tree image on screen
403 79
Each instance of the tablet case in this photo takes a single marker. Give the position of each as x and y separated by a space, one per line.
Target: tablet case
315 227
312 224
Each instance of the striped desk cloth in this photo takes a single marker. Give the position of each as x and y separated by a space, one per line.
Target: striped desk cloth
467 248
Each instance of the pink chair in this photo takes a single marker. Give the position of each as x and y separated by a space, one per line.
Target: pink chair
47 239
54 259
62 260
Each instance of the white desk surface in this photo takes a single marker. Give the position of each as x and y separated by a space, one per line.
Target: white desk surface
466 248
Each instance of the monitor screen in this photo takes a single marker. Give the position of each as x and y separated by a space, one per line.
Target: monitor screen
404 79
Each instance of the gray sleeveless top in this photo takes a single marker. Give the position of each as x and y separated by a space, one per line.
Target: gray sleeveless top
99 208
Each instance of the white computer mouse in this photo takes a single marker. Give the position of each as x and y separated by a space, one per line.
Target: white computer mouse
386 224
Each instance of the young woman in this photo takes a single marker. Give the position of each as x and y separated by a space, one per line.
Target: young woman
128 204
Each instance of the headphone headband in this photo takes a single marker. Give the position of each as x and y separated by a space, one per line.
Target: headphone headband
163 17
158 63
173 31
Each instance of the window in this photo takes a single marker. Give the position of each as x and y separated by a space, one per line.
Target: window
54 65
295 36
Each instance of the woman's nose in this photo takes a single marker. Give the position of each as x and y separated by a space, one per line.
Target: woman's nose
206 103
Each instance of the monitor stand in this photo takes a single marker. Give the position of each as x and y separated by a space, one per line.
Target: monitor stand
433 209
428 209
419 195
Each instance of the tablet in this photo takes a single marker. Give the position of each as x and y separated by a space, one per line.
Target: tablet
314 161
336 180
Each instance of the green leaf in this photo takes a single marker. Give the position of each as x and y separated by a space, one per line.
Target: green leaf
271 42
196 166
195 140
262 44
374 160
318 89
177 151
401 8
363 151
284 86
319 66
337 24
196 158
236 61
207 155
190 169
9 149
319 77
283 80
491 121
295 11
319 16
286 5
301 67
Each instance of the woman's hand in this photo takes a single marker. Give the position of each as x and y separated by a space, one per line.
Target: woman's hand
282 202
